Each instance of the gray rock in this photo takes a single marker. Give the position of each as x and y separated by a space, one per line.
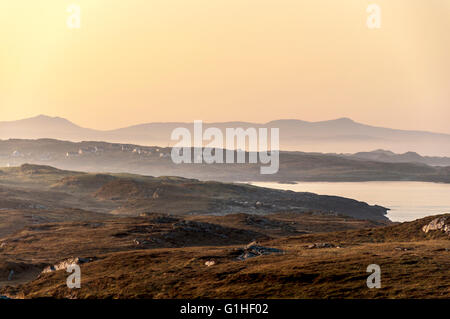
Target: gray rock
320 245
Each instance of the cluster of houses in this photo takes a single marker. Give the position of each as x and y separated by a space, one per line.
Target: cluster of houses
155 151
18 156
85 150
125 148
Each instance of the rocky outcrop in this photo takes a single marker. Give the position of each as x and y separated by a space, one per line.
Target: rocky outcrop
66 263
254 250
438 224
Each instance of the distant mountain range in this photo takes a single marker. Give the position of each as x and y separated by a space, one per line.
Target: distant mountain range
408 157
334 136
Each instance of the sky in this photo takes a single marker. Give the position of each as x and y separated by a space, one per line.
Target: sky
139 61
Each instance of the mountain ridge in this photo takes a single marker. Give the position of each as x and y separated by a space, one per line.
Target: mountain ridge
342 135
341 120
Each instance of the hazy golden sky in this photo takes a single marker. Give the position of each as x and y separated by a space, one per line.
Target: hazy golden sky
139 61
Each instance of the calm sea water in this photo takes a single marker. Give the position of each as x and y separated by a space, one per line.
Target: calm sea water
407 200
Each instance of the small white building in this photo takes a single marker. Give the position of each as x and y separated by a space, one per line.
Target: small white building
72 154
16 154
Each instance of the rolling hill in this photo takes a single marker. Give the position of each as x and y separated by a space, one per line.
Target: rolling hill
43 189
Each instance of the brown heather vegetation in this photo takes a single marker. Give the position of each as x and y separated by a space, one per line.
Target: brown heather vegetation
172 263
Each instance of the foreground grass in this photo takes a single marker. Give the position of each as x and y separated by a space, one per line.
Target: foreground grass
409 270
